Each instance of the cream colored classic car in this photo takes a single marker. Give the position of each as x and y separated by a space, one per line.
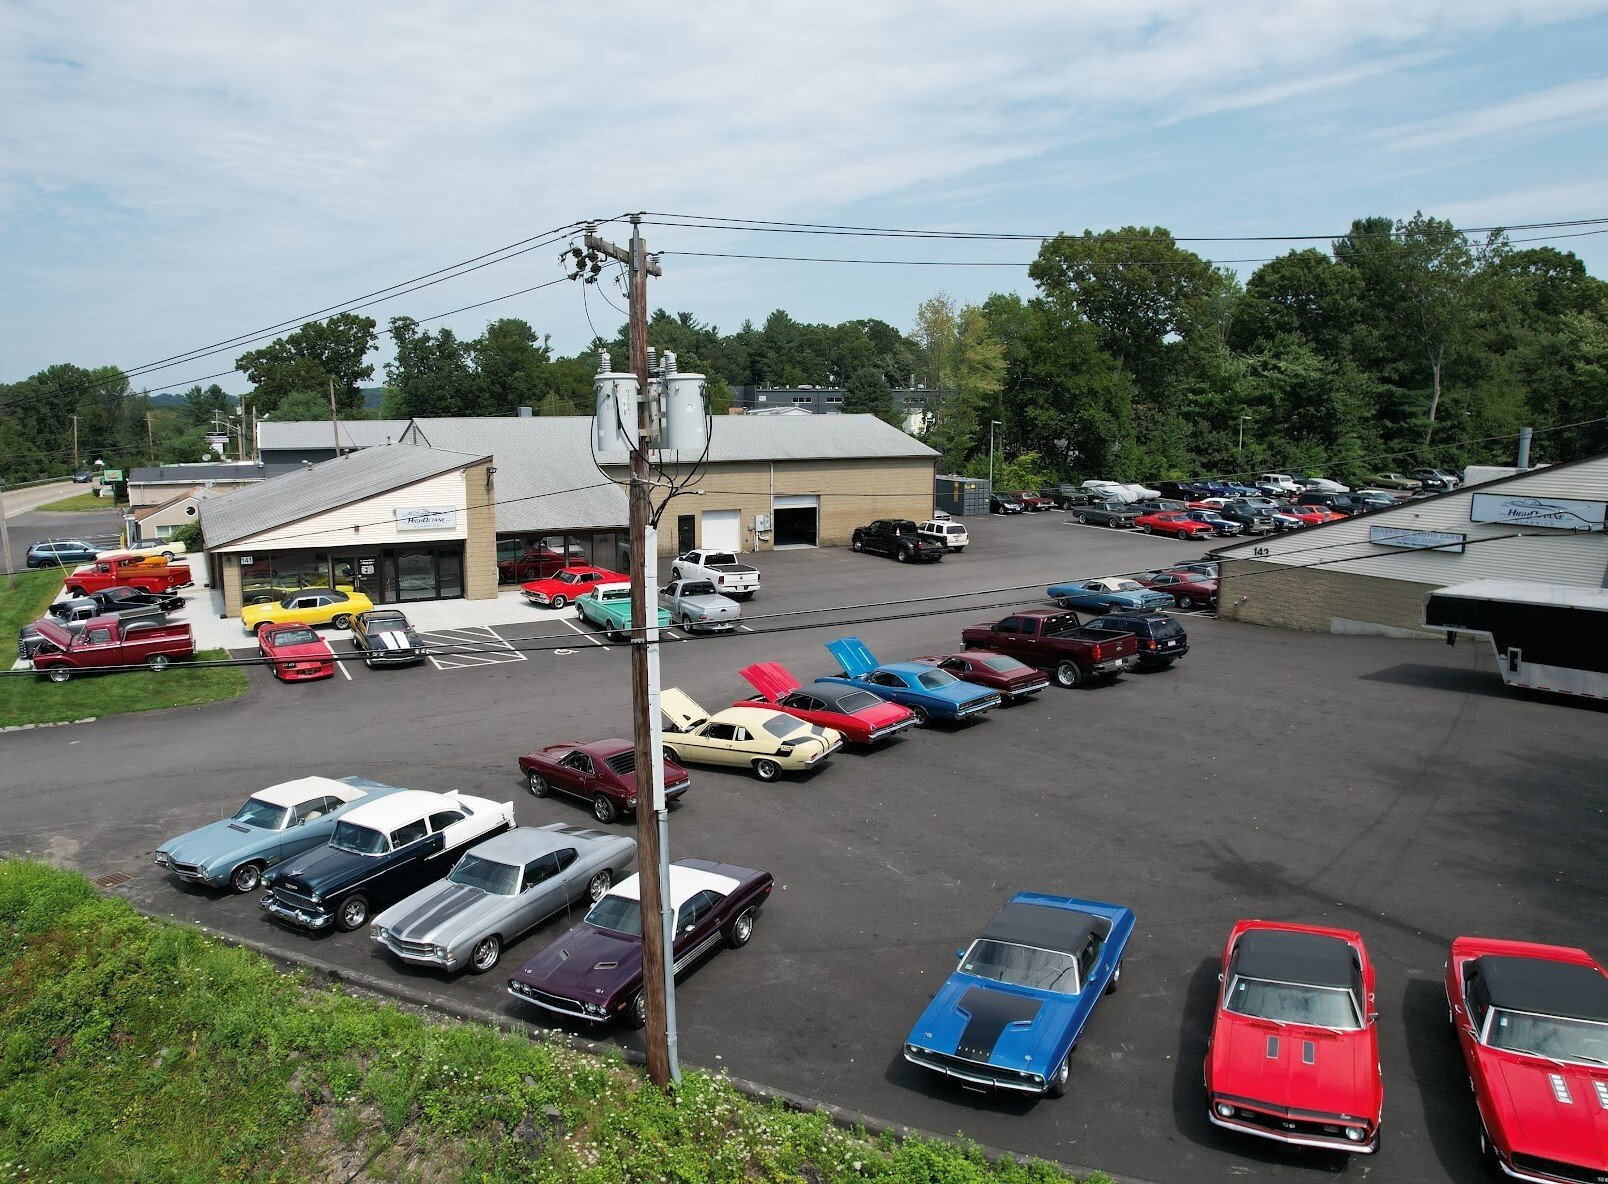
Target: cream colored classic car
757 738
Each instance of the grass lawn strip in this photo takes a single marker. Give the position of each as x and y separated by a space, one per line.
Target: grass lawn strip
137 1050
79 503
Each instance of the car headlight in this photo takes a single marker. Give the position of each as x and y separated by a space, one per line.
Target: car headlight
1224 1110
439 951
1354 1133
164 859
381 933
594 1009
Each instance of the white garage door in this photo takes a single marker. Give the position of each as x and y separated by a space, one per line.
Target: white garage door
797 501
722 530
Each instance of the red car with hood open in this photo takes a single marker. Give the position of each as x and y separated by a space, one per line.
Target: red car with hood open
862 717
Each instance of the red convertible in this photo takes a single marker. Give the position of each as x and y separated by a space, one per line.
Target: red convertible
602 772
1174 523
1294 1052
295 652
561 588
1533 1024
862 717
1003 673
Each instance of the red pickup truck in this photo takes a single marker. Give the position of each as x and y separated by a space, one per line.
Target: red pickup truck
109 641
156 577
1055 640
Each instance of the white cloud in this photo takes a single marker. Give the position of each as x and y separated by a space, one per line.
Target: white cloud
1548 112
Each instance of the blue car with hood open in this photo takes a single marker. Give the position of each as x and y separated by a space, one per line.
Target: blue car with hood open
928 691
1013 1010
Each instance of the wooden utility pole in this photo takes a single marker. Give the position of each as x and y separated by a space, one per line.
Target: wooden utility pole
334 420
5 539
150 440
75 444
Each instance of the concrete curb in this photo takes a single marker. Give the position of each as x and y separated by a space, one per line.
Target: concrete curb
848 1120
62 723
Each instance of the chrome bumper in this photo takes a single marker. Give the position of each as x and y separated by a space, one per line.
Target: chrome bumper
296 916
1116 665
980 706
980 1078
407 952
893 729
1338 1143
1032 688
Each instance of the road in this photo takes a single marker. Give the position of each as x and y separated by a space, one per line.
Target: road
25 524
1390 786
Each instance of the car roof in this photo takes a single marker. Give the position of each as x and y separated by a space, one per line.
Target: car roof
1048 928
833 693
293 793
404 806
685 883
1315 959
1545 986
525 843
599 589
906 667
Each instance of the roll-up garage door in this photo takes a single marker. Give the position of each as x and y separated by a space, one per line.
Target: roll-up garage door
798 520
722 530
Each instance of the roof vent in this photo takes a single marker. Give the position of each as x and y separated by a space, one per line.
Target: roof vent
524 413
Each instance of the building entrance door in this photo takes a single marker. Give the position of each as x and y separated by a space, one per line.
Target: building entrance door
686 533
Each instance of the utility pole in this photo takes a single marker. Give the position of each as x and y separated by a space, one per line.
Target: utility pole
75 448
150 440
5 539
334 420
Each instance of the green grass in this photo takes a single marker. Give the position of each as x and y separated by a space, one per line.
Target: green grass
136 1050
25 698
79 503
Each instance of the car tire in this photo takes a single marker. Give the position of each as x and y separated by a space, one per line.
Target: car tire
604 809
486 954
740 928
75 591
902 555
341 621
1488 1155
960 550
598 886
59 673
537 784
670 755
1067 675
353 913
636 1015
167 555
923 717
246 878
767 770
1146 528
1056 1086
1186 601
158 661
675 573
857 545
1064 602
1116 979
561 602
1114 524
1082 518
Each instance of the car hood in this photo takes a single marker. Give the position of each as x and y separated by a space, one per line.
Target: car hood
1536 1121
994 1024
1339 1080
443 911
587 964
215 841
323 869
394 640
307 650
960 692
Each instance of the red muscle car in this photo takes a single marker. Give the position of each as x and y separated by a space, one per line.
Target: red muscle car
1188 589
562 587
1013 679
295 652
862 717
602 773
1033 500
535 563
1532 1021
1294 1052
1174 523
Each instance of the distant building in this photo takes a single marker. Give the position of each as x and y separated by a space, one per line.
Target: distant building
294 441
826 400
159 484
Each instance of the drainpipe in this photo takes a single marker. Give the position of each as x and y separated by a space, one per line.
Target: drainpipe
771 465
1524 448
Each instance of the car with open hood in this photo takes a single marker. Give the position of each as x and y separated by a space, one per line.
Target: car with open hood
601 772
1294 1050
387 638
379 853
931 693
1014 1008
1532 1021
769 743
1106 594
500 891
594 972
1013 680
861 717
271 826
295 653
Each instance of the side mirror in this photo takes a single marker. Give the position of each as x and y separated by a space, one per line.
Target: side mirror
960 953
1373 1017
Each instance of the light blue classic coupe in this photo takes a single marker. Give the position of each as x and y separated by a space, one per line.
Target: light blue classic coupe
273 825
1107 594
929 692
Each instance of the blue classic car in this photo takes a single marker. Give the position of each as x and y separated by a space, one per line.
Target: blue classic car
929 692
1108 593
1012 1011
273 825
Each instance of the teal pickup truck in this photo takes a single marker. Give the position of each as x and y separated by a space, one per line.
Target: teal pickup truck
608 606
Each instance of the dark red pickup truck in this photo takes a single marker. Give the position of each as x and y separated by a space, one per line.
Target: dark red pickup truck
108 641
156 577
1055 640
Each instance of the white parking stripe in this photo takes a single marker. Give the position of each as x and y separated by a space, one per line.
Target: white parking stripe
345 673
492 649
584 633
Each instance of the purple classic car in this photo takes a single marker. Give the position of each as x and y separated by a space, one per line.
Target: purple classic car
594 972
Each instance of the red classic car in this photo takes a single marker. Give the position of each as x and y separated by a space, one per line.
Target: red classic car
1532 1021
1033 500
862 717
1294 1052
602 772
534 563
1174 523
295 652
562 587
1188 589
1013 679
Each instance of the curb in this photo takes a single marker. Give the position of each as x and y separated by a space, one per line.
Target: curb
63 723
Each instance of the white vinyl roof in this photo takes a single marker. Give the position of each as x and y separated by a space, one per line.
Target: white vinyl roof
685 883
294 793
1524 592
394 809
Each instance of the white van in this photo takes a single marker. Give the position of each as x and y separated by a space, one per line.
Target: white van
950 534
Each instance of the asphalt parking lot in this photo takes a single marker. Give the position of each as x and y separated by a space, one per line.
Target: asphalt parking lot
1390 786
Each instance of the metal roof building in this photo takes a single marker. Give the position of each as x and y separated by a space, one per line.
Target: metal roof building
296 441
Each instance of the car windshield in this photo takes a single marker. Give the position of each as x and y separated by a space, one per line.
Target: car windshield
295 637
936 679
569 577
261 814
1553 1036
499 879
359 840
781 726
857 701
1002 664
619 914
1022 966
385 621
1293 1003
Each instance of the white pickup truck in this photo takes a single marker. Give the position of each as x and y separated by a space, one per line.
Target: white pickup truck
721 569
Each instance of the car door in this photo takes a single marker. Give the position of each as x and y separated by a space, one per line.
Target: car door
303 832
304 609
1011 636
408 865
718 743
544 889
696 923
578 773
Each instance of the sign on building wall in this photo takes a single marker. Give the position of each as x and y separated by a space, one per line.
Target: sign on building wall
1417 540
426 517
1555 513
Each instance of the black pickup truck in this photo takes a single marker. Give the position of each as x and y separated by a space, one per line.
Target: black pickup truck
897 537
1055 640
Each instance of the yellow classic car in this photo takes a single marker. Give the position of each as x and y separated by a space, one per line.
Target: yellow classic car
756 738
309 606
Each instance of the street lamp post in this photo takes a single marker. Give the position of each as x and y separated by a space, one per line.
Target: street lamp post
1242 420
992 424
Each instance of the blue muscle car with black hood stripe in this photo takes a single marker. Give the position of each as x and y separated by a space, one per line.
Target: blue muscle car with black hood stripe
1013 1010
929 692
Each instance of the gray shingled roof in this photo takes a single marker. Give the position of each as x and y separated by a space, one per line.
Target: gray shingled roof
316 433
200 474
316 489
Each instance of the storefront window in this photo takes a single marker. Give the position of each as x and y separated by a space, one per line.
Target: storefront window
449 567
415 575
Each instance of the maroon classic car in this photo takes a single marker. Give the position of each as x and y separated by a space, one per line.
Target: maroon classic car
1188 589
1012 679
862 717
594 972
602 772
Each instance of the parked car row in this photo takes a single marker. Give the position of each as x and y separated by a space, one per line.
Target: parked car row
113 626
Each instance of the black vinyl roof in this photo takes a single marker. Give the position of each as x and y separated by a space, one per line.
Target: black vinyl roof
1545 987
1311 959
1045 927
833 696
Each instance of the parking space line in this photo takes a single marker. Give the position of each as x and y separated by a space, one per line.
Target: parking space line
345 673
583 632
494 649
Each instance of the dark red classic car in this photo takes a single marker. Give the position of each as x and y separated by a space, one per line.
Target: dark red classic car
602 772
862 717
296 652
1188 589
534 563
1033 500
1001 672
594 972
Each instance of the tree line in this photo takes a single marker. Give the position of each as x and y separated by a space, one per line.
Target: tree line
1403 343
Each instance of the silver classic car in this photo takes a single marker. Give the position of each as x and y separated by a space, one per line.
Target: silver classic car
499 891
696 605
273 825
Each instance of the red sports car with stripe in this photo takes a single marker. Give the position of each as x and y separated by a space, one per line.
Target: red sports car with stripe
1013 679
1532 1021
862 717
1294 1053
1174 523
295 652
562 588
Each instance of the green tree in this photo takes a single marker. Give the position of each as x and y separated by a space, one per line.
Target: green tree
867 393
510 366
302 406
312 357
430 374
962 364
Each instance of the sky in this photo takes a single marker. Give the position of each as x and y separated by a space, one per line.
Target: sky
178 175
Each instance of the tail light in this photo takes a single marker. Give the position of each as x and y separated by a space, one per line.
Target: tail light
1099 652
1150 644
